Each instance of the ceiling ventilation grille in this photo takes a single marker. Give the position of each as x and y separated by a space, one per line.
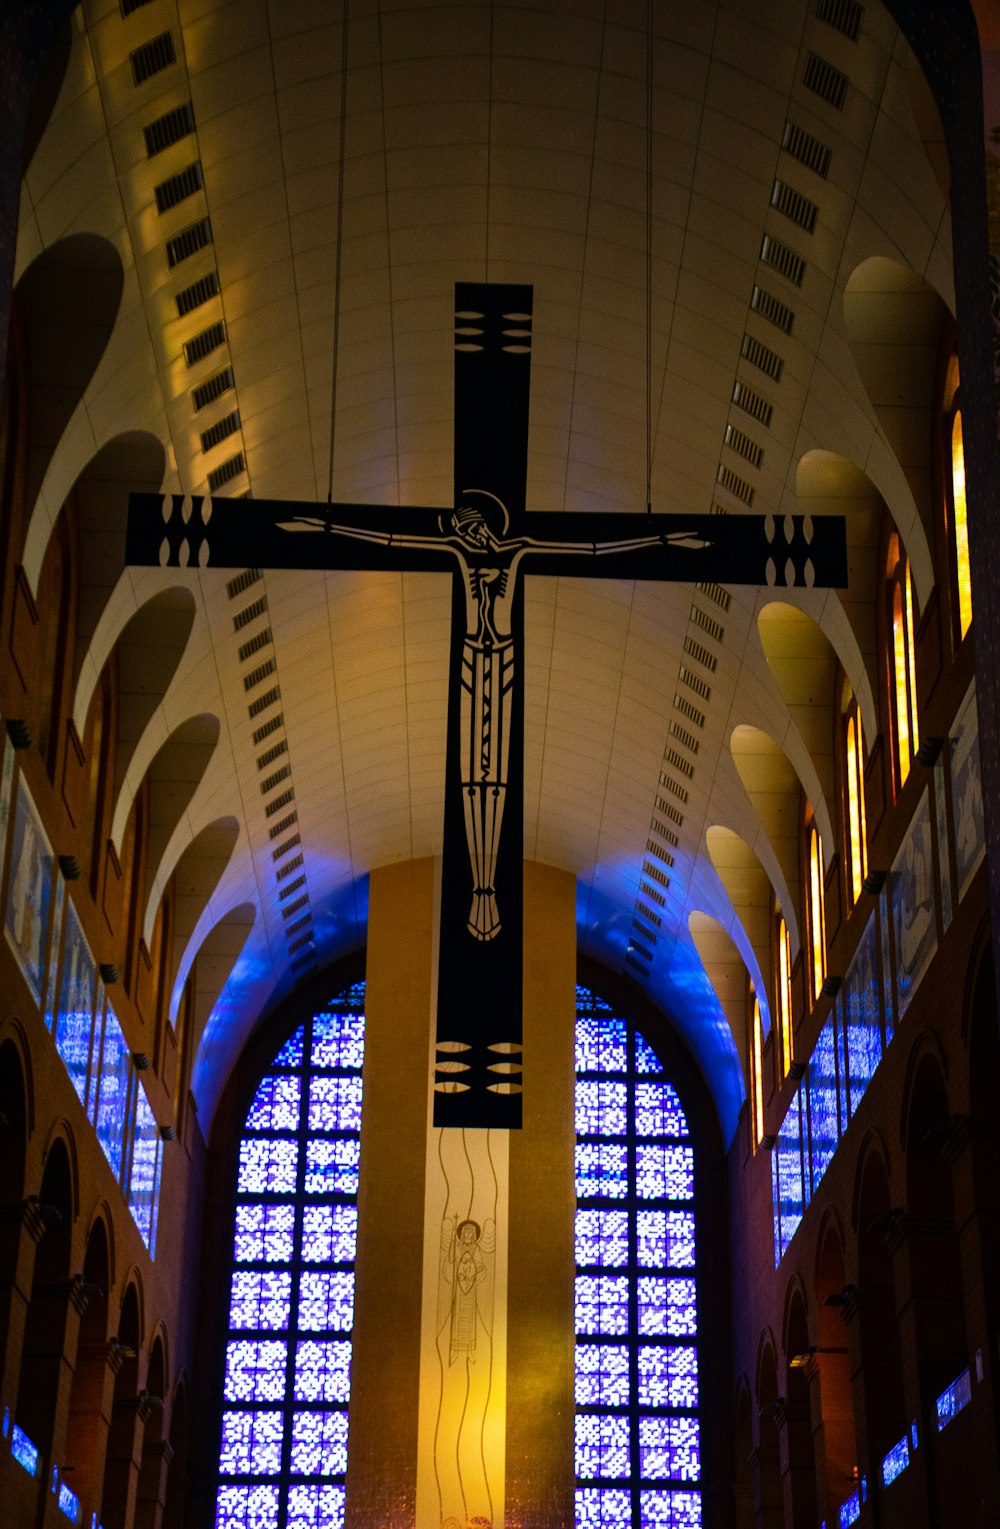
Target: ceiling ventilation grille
845 15
268 784
825 81
201 291
639 950
675 789
299 924
227 471
170 128
651 892
701 655
300 902
633 960
293 886
744 447
715 592
203 344
265 730
642 911
258 641
644 932
294 945
257 675
189 242
208 392
249 613
783 260
793 205
707 623
736 485
678 761
283 823
652 848
128 6
764 360
178 187
684 706
283 848
286 870
274 752
758 408
220 430
669 811
242 582
279 801
269 698
683 736
696 683
153 56
300 964
668 836
809 151
772 309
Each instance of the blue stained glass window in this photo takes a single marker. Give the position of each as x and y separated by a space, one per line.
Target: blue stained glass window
112 1096
69 1503
287 1380
850 1511
823 1120
144 1172
275 1105
788 1160
23 1451
602 1238
603 1375
637 1426
896 1461
953 1399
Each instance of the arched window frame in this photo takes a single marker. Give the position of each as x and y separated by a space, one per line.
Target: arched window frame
855 822
815 908
639 1362
901 660
756 1050
783 990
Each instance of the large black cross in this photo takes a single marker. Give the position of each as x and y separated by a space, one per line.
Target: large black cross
486 543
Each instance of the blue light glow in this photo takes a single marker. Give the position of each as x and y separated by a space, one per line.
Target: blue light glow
896 1461
850 1511
953 1399
23 1451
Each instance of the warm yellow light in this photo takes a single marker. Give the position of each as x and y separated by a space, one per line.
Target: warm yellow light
961 526
785 996
856 806
817 928
911 666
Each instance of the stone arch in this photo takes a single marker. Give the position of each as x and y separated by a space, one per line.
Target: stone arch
798 1408
804 664
894 320
174 773
726 970
119 1485
174 1503
743 1452
839 1447
881 1355
751 893
774 788
48 1313
85 1427
15 1114
45 93
770 1492
197 873
214 950
69 299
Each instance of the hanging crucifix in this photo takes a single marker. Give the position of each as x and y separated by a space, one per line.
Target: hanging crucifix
488 543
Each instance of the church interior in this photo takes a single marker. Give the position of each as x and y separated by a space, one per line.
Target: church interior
713 1236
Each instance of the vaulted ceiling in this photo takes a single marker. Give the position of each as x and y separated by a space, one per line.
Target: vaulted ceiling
800 276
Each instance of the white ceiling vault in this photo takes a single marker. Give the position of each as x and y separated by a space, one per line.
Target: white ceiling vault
801 271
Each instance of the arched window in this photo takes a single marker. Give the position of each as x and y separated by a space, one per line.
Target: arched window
283 1454
960 525
638 1455
816 912
854 794
783 994
903 664
756 1073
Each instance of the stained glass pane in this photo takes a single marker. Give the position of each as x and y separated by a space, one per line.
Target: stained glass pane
260 1301
311 1506
251 1443
602 1375
602 1238
602 1445
291 1052
326 1302
268 1165
335 1104
144 1173
788 1155
601 1108
668 1376
247 1507
112 1098
664 1172
275 1105
823 1121
601 1305
601 1044
338 1040
670 1510
329 1234
319 1443
658 1111
665 1239
599 1508
646 1059
669 1449
264 1234
332 1166
602 1169
255 1370
323 1371
667 1308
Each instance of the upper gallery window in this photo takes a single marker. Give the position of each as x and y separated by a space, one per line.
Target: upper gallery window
854 795
959 525
816 913
902 655
783 993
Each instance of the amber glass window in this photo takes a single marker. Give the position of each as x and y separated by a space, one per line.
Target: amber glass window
902 661
857 838
960 525
757 1075
817 917
783 992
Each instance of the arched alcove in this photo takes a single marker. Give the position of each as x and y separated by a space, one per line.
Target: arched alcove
86 1430
196 876
45 1329
208 968
775 793
727 972
881 1355
804 665
751 894
839 1448
13 1124
798 1415
769 1489
120 1467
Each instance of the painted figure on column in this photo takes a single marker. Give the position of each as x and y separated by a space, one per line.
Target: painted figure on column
466 1247
488 559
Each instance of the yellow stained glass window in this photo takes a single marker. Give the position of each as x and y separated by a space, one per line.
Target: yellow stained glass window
817 925
856 805
960 528
785 996
757 1076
